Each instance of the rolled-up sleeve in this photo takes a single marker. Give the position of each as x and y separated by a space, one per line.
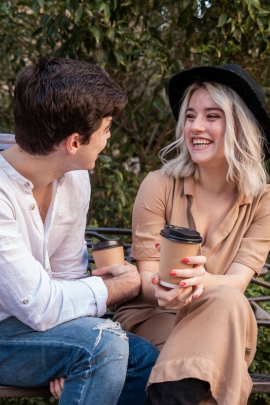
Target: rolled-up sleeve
255 244
27 291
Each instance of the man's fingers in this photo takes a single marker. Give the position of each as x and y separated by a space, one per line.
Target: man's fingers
115 269
57 386
53 389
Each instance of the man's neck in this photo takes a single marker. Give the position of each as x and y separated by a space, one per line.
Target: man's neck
40 170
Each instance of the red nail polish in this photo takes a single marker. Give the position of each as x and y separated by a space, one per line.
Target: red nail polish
153 279
183 284
196 296
173 273
186 260
157 245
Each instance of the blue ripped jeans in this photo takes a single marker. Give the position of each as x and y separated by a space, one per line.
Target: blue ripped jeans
101 364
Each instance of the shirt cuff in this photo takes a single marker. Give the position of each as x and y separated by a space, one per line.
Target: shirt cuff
100 292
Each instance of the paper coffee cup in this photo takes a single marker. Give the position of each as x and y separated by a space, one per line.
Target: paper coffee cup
176 244
108 252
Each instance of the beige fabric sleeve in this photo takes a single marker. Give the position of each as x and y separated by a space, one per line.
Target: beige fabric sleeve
149 216
255 244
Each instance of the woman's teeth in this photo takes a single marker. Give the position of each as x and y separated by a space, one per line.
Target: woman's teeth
200 142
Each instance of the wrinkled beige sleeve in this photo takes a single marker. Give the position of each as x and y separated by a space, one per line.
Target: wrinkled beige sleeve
255 244
149 215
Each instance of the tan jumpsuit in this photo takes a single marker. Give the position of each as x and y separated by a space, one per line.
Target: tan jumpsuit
214 337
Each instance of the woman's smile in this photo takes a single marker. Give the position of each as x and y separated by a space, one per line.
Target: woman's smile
200 143
205 129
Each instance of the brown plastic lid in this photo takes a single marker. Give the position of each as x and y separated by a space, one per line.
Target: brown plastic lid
106 244
182 235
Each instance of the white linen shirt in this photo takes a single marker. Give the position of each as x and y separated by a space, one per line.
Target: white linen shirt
43 266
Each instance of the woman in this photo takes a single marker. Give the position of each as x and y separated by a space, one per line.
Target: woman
216 185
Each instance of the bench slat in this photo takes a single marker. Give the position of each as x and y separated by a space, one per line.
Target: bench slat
18 392
261 384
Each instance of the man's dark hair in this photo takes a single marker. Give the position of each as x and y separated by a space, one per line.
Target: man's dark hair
57 97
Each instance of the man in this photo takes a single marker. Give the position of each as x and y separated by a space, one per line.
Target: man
49 306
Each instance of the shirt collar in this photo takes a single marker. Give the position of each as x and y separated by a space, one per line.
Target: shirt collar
189 184
14 175
17 177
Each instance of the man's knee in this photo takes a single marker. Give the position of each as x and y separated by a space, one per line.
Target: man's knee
142 354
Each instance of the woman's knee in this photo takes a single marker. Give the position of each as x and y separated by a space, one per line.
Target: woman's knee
224 294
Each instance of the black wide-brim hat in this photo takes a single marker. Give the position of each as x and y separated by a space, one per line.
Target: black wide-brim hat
233 76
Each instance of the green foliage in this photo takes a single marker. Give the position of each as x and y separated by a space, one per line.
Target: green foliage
141 43
114 190
261 362
28 401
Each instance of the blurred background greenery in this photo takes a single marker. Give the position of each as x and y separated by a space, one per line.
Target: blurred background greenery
141 43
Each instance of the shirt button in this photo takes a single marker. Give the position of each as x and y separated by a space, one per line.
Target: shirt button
32 207
25 302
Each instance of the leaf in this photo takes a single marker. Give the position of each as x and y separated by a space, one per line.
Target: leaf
35 8
232 26
184 4
222 20
41 3
254 3
105 158
95 32
260 24
45 18
157 40
126 3
78 14
4 9
248 24
119 174
120 56
107 12
111 33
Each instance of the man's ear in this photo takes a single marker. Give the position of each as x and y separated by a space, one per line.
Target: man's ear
72 143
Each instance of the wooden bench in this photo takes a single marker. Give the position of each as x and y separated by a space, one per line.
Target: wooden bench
261 382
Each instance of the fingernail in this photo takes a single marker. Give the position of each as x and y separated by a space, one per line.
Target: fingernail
196 296
186 260
157 245
153 280
183 284
173 273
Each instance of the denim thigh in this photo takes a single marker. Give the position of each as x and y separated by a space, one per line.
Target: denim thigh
91 352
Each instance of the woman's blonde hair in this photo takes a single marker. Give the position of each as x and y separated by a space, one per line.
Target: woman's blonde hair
243 142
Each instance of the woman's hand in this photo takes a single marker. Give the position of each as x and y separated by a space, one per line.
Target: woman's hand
57 386
193 277
171 298
191 285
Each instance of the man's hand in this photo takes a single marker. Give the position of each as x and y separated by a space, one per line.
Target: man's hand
124 284
56 387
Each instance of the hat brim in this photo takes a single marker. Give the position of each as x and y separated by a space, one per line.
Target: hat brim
181 81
